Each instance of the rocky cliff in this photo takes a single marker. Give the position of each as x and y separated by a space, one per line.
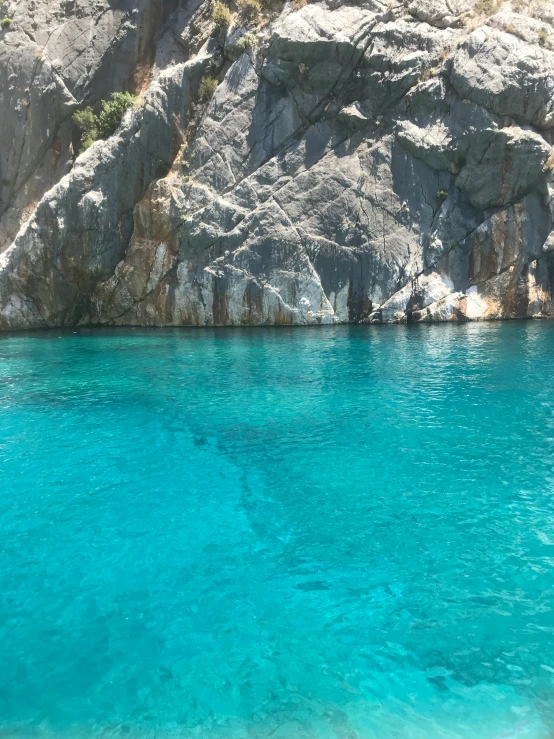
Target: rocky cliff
366 162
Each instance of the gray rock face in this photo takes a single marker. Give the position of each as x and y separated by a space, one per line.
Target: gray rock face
54 56
356 163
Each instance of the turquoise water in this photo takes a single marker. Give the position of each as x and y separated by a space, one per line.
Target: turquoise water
343 532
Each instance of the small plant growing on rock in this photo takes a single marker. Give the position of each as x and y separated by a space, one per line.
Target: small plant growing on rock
249 10
86 122
297 4
542 36
248 43
101 126
112 112
207 87
221 15
442 195
6 22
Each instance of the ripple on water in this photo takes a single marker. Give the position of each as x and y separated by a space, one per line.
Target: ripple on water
336 532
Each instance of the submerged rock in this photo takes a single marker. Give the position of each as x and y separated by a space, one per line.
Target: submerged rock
332 163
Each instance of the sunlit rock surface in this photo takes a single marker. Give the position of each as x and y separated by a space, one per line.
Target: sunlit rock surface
356 163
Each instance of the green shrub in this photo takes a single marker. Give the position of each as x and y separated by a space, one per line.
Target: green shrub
101 126
112 112
208 85
85 119
442 194
221 15
86 122
249 42
6 22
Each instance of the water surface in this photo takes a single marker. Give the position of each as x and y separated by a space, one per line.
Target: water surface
315 533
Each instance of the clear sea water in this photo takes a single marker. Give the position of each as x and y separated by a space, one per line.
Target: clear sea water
316 533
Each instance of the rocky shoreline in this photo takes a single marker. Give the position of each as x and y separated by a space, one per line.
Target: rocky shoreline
378 162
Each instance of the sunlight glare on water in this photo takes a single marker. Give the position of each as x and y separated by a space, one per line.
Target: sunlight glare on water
341 533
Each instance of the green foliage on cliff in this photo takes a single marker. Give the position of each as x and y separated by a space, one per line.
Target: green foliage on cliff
248 43
103 125
221 15
86 122
112 112
206 89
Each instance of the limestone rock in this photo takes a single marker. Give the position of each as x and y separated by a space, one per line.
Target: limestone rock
502 166
80 228
440 13
54 56
507 76
353 117
355 163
